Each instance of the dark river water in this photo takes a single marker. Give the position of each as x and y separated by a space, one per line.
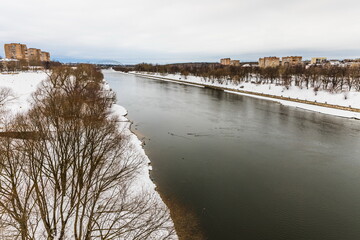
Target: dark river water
249 168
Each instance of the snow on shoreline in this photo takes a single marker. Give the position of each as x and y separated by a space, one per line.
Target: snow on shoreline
341 99
143 180
25 83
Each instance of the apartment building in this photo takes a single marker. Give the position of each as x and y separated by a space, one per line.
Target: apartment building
235 63
45 56
229 62
269 62
291 61
15 51
21 52
318 60
34 54
225 61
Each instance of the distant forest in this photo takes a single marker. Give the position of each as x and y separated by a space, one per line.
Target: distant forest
319 77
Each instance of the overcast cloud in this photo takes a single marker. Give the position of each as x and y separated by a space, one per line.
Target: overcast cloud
183 30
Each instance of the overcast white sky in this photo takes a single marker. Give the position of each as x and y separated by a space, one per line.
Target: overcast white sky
183 30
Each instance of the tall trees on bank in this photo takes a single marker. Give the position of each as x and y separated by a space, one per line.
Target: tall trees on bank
74 178
331 78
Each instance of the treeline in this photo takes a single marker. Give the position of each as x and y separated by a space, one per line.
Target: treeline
331 78
23 65
72 176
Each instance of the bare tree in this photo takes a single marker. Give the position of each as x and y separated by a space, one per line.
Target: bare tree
5 95
75 178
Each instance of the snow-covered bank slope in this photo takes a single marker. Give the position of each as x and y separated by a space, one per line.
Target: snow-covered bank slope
341 99
142 184
25 83
142 181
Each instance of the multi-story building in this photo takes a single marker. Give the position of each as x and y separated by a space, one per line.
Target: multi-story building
34 54
235 63
225 61
228 61
318 60
45 56
21 52
291 61
15 51
261 62
269 62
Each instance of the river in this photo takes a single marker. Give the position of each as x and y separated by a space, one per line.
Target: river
248 168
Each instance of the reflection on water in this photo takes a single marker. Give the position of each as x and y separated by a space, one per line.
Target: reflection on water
251 169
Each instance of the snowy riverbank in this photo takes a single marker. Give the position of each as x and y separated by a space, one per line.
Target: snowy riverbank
345 99
22 86
142 183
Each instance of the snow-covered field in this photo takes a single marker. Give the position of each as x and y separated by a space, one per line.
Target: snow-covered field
345 99
25 83
22 86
